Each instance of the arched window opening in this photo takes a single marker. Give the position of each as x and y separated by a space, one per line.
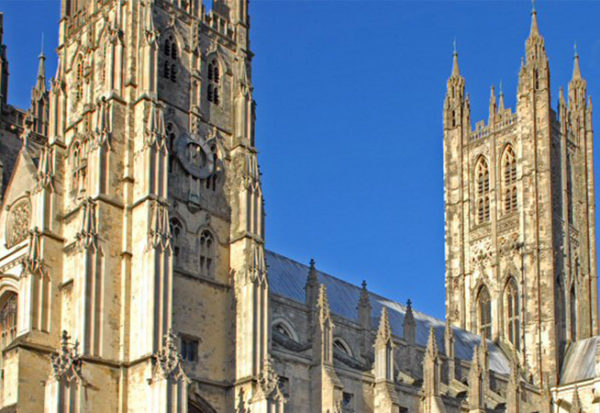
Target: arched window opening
513 322
211 182
284 330
214 79
176 234
341 346
482 185
171 144
573 305
170 67
173 72
79 80
207 254
509 166
484 309
8 318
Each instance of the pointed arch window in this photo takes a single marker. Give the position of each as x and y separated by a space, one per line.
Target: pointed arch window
8 318
171 54
509 178
484 312
513 321
207 254
213 92
482 195
342 346
175 228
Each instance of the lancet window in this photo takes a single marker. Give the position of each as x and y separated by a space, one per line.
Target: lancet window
79 167
207 254
170 56
482 195
175 229
509 174
8 318
213 92
484 312
513 322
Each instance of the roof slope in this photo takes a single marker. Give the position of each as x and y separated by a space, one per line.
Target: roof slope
580 361
287 278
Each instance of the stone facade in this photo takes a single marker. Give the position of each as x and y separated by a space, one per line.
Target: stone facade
520 231
133 273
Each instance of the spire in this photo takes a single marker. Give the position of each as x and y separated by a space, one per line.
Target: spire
323 304
476 389
493 105
432 348
312 284
576 69
384 332
455 69
364 308
384 349
535 31
501 102
409 324
41 76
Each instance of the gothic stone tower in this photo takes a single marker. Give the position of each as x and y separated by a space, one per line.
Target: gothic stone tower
144 273
519 206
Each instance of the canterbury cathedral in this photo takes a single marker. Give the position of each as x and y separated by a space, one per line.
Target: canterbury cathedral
134 275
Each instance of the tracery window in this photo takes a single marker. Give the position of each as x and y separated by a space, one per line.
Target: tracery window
175 229
213 92
207 254
482 196
484 312
513 322
79 166
509 173
170 52
8 318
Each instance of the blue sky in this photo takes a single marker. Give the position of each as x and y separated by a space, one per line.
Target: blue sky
349 117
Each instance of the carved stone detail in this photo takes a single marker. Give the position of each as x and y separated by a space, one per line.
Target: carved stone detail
17 225
66 364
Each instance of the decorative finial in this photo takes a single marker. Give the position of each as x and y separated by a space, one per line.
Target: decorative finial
42 50
408 303
501 90
533 6
575 54
364 285
455 69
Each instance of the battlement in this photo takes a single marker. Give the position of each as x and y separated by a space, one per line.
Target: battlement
504 121
217 23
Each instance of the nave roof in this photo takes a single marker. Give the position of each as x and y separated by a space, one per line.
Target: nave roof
287 278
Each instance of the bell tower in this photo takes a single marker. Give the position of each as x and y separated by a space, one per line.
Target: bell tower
145 268
519 204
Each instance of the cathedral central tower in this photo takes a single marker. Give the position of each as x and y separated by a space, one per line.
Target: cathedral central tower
519 208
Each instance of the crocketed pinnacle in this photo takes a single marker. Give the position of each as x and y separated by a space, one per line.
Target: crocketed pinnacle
576 69
384 332
41 76
432 348
535 31
455 69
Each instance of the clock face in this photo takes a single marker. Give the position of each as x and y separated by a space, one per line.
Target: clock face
195 156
